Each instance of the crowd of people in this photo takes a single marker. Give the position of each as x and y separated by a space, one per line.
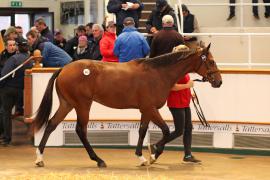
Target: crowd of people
110 42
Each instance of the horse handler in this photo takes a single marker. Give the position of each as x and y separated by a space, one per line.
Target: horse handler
180 95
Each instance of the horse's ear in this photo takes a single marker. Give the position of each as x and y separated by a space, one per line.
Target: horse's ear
208 47
202 44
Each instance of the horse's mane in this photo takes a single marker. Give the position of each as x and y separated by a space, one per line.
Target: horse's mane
167 59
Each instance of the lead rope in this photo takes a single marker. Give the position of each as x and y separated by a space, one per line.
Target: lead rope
14 70
198 109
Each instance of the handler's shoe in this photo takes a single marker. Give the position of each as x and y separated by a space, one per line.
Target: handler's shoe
191 159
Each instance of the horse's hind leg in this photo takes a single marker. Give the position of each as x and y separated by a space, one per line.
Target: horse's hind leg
63 110
142 132
81 129
158 148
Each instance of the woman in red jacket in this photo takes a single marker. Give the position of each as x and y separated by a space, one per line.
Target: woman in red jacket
178 103
107 43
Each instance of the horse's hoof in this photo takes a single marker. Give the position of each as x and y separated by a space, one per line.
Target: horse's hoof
40 164
145 163
102 164
152 159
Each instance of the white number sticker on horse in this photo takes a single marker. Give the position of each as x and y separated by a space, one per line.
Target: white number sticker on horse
86 72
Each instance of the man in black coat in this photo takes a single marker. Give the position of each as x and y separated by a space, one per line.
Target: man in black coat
166 39
123 9
72 44
12 88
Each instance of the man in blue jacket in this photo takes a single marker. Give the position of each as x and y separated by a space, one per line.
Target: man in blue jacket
53 56
130 44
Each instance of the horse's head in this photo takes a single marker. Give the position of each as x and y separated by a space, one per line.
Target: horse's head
207 67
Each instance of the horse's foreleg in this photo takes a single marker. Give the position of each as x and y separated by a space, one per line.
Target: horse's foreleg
81 130
52 124
142 133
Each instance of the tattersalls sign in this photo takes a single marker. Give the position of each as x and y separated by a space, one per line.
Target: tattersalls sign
214 127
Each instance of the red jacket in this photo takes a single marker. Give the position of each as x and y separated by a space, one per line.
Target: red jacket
106 47
180 99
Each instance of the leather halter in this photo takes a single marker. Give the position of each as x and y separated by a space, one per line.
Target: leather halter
209 74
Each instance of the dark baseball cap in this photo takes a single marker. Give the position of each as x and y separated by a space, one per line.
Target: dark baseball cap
22 42
128 21
161 3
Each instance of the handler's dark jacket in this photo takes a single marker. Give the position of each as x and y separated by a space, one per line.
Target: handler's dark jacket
4 57
18 80
164 41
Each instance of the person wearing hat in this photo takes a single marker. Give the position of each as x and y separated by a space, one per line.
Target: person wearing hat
11 33
107 43
154 21
190 26
130 44
123 9
82 51
179 98
12 87
59 39
43 29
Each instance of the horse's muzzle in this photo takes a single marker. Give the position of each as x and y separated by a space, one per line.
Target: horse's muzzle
216 84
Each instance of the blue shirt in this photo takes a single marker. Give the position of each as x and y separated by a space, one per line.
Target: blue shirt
130 45
54 56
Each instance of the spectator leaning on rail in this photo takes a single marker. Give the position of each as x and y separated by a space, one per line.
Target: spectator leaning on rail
12 88
107 43
43 29
123 9
190 26
53 56
154 21
166 39
130 44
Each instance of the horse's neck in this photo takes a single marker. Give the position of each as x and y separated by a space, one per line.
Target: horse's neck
180 69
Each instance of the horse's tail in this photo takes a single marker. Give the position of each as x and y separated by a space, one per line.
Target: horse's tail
45 106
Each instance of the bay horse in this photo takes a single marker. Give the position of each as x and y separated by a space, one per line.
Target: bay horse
142 84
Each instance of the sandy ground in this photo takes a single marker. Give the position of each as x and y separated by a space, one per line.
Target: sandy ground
17 162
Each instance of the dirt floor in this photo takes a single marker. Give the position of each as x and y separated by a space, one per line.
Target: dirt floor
17 162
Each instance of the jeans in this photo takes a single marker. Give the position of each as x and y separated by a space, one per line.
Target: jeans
183 125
